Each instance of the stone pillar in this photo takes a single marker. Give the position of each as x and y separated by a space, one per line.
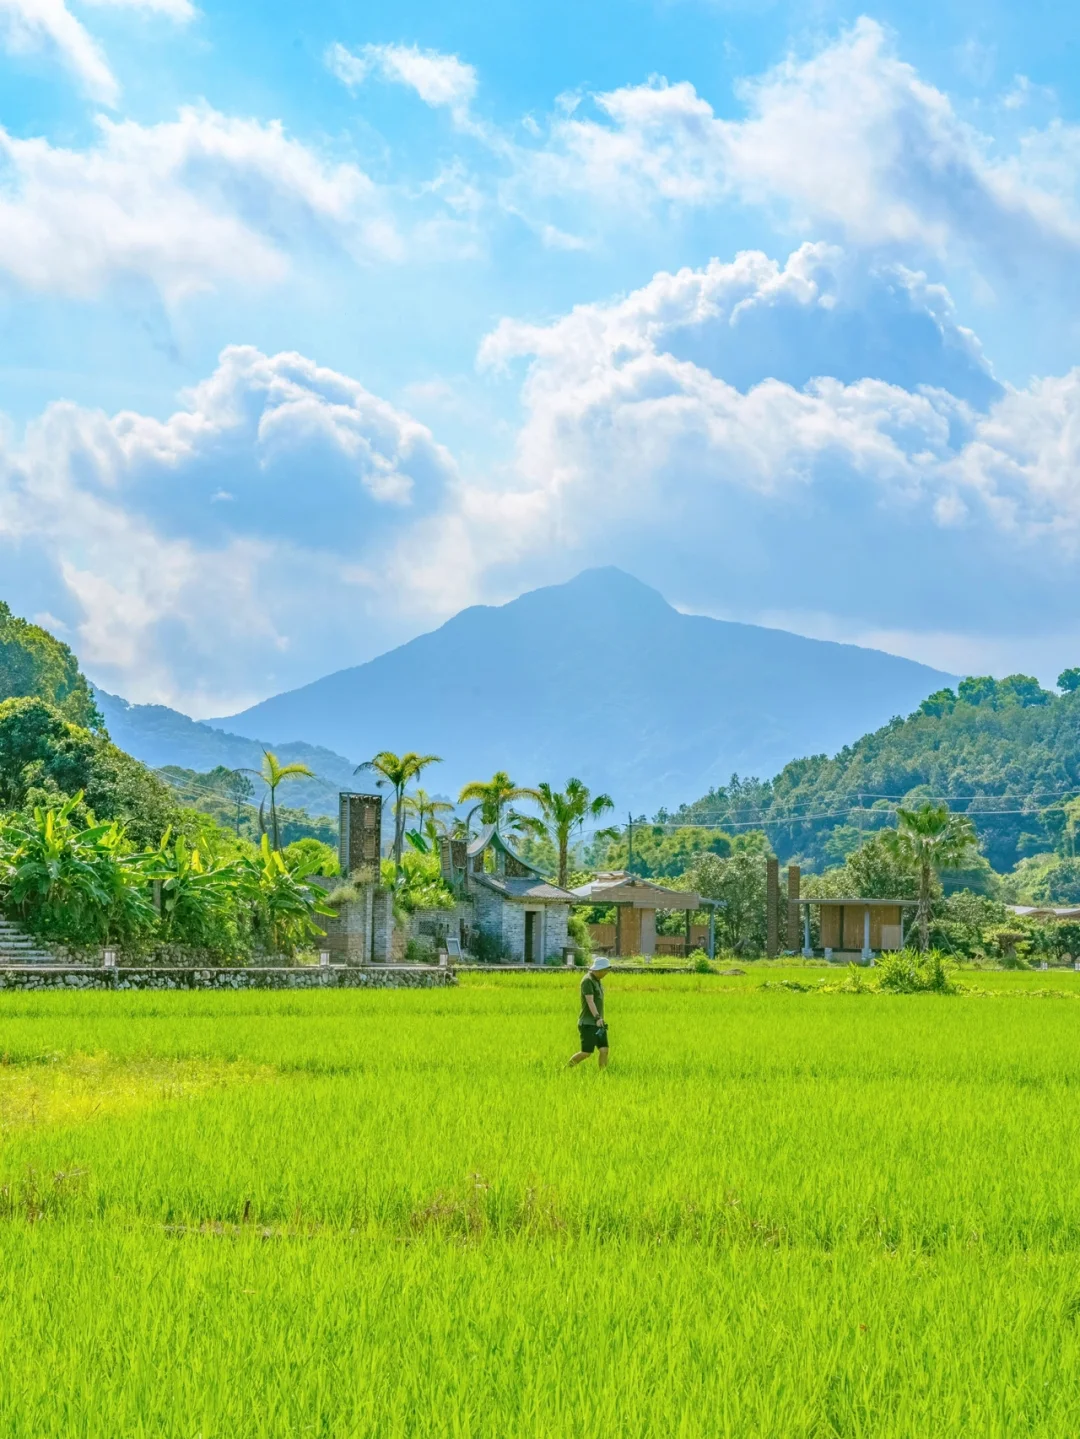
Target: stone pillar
772 906
866 934
648 931
359 833
382 924
793 926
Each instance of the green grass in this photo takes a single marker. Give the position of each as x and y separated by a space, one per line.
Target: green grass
779 1213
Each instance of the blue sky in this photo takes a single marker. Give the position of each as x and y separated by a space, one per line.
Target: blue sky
320 322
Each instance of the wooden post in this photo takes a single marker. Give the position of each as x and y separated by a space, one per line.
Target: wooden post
793 936
772 906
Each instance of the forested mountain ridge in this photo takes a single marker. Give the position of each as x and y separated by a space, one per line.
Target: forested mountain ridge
58 738
1006 752
166 740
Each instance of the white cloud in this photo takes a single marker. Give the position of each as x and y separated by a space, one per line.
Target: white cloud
850 141
49 27
441 81
285 521
822 313
175 596
179 10
636 449
185 204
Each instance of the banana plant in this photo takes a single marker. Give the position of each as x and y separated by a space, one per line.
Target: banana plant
82 886
285 907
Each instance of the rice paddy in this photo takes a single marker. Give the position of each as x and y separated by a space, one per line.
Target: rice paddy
340 1213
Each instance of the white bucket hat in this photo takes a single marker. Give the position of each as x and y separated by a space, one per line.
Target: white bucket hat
601 962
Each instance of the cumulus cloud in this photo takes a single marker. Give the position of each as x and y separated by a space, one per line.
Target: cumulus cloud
441 81
185 204
647 441
172 593
285 521
850 141
821 313
49 27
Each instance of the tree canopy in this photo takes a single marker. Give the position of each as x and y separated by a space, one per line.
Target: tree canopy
44 756
35 664
1007 753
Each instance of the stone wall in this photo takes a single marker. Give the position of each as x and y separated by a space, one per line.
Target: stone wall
361 930
39 976
505 919
556 931
382 925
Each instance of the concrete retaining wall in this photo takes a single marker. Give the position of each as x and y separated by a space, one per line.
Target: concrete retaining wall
41 976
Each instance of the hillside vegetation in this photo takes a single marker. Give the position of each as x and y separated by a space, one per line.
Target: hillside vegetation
1005 752
34 663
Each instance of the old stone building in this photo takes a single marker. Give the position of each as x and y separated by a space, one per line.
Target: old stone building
504 905
524 917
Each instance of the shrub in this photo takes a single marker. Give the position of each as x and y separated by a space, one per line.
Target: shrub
77 886
487 948
86 886
909 972
577 931
699 962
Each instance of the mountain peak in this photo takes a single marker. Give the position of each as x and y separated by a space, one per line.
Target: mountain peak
600 677
594 600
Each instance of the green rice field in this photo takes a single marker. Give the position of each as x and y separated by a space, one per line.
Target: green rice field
779 1212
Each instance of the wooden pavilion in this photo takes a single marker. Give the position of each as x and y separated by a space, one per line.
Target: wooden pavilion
636 901
856 927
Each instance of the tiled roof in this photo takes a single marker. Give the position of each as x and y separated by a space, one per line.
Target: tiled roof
524 889
634 890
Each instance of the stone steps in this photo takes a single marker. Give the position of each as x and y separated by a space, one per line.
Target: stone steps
16 947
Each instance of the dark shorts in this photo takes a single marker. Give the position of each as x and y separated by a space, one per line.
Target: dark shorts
593 1036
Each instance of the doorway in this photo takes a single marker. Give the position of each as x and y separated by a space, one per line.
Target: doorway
532 935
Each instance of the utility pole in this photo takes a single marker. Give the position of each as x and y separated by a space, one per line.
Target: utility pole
630 844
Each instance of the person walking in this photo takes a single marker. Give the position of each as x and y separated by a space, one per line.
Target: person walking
592 1027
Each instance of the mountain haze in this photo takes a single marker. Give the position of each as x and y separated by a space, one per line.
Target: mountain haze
161 736
599 678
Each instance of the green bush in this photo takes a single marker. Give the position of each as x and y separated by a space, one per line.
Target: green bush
86 886
487 948
908 972
577 930
72 885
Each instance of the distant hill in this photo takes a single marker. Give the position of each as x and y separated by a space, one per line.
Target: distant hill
161 736
603 679
1006 752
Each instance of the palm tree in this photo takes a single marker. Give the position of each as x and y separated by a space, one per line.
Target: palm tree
495 794
566 811
930 839
397 771
272 773
427 810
